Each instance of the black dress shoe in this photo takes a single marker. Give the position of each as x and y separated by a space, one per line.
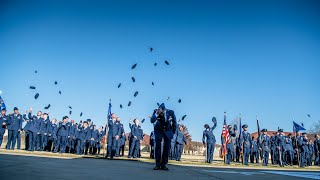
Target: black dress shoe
164 168
156 168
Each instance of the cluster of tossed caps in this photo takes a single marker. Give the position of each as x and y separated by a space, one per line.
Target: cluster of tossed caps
36 96
133 79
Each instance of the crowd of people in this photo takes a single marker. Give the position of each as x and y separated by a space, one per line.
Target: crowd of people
284 150
43 134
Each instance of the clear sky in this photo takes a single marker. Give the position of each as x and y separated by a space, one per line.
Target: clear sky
255 58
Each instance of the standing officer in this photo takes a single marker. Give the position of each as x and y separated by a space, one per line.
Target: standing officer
274 151
230 145
3 124
37 123
44 131
26 130
62 135
113 135
173 147
209 140
119 141
52 134
288 150
101 133
246 143
180 141
135 139
71 137
310 154
165 125
93 140
317 150
152 145
265 146
14 127
280 147
254 151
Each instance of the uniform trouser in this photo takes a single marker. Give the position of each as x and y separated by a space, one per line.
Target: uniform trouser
111 148
19 140
80 144
274 156
135 146
93 148
44 141
1 138
51 141
32 140
12 137
289 157
210 151
283 156
61 143
39 142
254 155
310 156
230 152
265 157
172 151
151 152
26 144
162 149
178 151
238 154
246 153
118 147
316 161
302 158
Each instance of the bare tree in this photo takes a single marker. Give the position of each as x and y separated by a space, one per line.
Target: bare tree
315 129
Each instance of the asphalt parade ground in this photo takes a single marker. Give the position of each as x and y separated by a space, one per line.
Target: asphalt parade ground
30 166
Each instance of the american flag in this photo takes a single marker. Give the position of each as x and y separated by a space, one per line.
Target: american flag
225 136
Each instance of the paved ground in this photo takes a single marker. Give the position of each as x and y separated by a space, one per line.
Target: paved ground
27 167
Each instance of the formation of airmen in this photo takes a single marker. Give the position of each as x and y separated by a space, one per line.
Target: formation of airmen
167 140
83 138
283 150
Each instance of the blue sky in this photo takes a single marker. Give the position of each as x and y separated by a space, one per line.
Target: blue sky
255 58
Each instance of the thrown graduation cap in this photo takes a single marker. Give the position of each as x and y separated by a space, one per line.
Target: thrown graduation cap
81 114
142 121
59 92
136 94
183 117
121 106
70 112
55 82
214 120
70 107
155 64
134 66
129 104
152 83
119 85
158 104
150 49
168 98
308 115
133 79
32 87
35 71
167 62
179 101
47 107
36 96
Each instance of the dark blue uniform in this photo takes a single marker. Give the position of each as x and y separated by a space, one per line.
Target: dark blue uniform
72 138
254 151
62 136
172 154
26 130
230 147
280 147
246 144
14 125
35 128
43 133
210 140
3 119
152 145
288 151
135 141
52 135
119 141
164 128
265 143
113 131
180 141
317 151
